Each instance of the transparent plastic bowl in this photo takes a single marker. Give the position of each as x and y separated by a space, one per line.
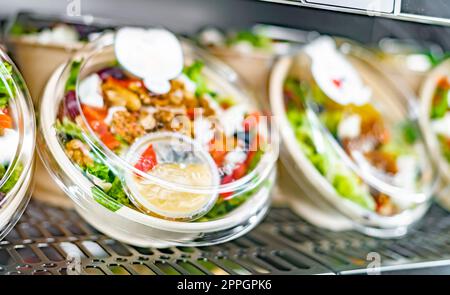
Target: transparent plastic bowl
137 224
427 94
18 143
397 105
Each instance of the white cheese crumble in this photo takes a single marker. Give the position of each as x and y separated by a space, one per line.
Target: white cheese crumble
406 174
91 92
232 119
350 127
243 47
203 131
188 83
442 126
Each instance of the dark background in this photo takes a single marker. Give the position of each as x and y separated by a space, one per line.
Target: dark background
187 16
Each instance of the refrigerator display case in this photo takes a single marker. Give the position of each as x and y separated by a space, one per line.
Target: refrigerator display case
302 233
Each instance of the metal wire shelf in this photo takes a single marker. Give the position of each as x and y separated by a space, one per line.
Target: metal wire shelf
49 240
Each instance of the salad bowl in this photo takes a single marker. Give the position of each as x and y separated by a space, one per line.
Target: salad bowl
180 159
351 138
434 120
17 142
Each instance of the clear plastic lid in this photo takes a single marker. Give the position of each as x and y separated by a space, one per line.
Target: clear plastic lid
435 115
17 140
358 129
154 126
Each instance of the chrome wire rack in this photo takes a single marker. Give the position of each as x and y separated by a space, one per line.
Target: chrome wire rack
49 240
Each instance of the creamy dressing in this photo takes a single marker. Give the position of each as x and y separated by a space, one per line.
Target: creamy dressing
164 201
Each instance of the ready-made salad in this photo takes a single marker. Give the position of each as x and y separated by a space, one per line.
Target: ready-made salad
435 118
158 132
242 41
349 126
440 115
49 29
16 145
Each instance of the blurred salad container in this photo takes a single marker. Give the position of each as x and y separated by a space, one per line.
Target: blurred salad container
251 52
40 43
17 143
435 122
154 144
410 60
351 136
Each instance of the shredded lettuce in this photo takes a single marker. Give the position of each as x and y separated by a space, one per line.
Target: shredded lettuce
104 200
346 184
440 103
331 120
69 128
12 180
223 207
118 193
194 72
256 40
6 84
19 29
445 147
411 132
100 171
2 171
72 80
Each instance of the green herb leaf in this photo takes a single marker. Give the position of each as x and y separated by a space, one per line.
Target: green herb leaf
72 80
6 84
256 40
118 193
12 180
69 128
194 72
104 200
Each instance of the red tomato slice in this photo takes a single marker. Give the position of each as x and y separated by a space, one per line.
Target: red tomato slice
217 152
5 121
101 129
95 117
226 179
127 83
239 171
147 160
94 114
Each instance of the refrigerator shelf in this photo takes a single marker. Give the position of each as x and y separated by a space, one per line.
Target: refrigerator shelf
49 240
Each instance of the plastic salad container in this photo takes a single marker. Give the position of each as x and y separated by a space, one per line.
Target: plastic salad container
251 52
153 143
17 142
40 43
435 122
409 59
350 136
